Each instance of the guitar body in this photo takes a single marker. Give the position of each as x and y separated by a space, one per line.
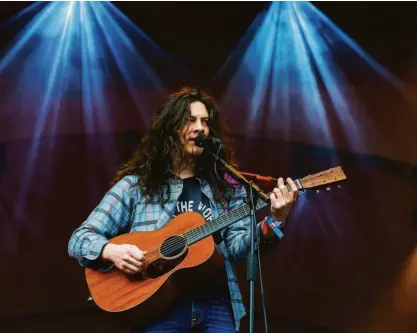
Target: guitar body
147 295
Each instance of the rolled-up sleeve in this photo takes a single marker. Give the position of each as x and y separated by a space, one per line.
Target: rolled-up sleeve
110 218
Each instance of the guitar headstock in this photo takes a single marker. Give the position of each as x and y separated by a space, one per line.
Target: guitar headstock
332 175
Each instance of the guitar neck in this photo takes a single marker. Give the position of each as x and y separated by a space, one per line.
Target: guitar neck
221 222
326 177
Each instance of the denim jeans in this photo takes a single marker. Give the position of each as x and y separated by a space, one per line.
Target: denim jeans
195 316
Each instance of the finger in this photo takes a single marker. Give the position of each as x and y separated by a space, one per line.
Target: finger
131 260
274 200
130 272
136 253
284 190
280 182
277 192
294 188
129 268
279 197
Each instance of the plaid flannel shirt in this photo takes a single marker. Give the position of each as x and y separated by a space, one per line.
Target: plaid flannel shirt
124 209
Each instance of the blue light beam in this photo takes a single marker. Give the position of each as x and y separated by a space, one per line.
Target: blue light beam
285 80
61 68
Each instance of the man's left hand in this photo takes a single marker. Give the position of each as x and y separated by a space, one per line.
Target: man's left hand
282 199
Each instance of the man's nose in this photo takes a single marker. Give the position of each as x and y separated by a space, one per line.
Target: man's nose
198 127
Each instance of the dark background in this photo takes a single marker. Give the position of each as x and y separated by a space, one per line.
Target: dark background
348 263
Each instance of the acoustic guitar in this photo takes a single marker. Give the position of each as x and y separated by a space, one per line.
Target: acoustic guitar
178 255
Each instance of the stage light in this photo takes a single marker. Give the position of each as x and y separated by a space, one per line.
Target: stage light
63 63
285 80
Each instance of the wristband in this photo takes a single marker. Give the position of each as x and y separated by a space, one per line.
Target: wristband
274 226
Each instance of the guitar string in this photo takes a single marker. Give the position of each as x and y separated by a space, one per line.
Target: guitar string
154 253
172 245
194 233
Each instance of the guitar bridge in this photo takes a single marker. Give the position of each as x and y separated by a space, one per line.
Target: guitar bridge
162 266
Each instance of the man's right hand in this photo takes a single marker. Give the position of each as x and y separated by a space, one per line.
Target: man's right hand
128 258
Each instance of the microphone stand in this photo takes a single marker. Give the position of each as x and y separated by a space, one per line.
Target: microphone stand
252 261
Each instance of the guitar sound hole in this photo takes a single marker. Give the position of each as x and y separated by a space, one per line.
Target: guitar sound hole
173 251
173 246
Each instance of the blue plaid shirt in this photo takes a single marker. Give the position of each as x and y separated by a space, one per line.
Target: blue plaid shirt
124 209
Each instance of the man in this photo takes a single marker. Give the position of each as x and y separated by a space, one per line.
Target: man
167 175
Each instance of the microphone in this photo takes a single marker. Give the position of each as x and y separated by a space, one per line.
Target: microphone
208 142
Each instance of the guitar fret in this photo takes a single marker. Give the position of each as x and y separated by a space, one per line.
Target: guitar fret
221 222
225 220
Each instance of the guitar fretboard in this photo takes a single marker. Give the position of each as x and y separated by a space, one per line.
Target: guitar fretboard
221 222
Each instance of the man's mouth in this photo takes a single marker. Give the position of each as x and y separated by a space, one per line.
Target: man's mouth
191 142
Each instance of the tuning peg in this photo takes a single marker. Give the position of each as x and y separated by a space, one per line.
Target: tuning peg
317 191
328 188
339 186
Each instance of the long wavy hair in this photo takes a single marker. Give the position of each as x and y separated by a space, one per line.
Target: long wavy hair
152 160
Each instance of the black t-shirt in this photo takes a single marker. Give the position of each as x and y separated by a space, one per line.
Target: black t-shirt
192 199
